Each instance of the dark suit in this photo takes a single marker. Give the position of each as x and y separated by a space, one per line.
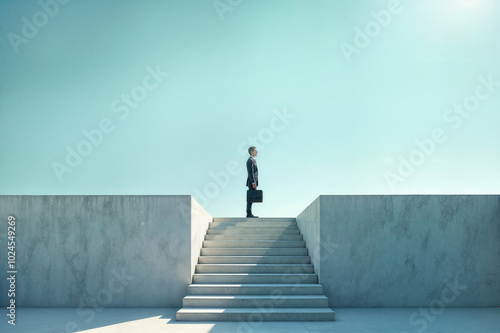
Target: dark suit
253 177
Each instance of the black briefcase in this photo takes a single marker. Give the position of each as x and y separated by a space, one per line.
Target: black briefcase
254 195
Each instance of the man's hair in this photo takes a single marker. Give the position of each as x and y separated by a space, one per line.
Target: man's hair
251 149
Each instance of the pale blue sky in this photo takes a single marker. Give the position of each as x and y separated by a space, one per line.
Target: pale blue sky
351 122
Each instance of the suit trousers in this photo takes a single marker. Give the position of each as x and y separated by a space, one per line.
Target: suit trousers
249 204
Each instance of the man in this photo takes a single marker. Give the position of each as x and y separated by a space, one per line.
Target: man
253 176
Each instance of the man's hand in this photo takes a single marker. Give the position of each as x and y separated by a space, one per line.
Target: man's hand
254 185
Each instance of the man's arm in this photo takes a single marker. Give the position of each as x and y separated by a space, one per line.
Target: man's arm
251 172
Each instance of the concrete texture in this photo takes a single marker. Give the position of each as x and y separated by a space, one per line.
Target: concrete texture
378 320
309 225
424 251
200 219
102 251
430 251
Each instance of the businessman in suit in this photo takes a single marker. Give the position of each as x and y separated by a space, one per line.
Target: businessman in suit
253 176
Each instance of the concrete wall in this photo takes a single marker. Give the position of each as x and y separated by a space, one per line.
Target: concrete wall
406 251
308 223
140 251
200 220
113 251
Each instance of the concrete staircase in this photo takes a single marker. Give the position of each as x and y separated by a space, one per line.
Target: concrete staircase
254 270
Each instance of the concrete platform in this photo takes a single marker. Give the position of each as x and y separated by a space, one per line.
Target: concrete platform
394 320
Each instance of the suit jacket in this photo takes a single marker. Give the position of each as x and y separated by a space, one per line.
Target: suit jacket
253 172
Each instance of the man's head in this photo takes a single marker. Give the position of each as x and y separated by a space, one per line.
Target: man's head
252 151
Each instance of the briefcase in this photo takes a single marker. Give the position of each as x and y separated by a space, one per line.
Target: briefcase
254 195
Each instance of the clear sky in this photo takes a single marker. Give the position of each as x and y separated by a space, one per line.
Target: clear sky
164 97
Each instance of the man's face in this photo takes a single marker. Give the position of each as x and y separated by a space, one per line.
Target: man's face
254 152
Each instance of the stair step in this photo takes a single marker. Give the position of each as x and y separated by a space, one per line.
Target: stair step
254 237
255 289
251 229
260 219
247 301
254 260
240 231
255 314
276 251
254 268
233 278
252 244
252 224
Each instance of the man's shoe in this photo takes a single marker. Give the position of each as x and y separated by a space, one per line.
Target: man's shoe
251 216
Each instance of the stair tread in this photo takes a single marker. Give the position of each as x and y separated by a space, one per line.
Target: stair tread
244 219
253 226
254 237
246 248
258 231
247 239
217 251
256 285
252 240
242 257
271 241
223 251
266 274
265 265
257 297
253 310
254 260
